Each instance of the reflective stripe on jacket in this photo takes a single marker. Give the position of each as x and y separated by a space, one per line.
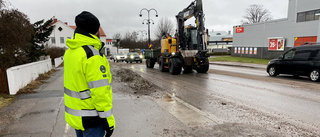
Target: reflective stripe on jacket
87 83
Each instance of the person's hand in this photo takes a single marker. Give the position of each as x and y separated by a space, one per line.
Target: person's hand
108 125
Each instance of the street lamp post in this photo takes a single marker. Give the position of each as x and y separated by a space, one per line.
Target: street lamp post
148 20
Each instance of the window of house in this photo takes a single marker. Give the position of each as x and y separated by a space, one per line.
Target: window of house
61 40
317 17
310 16
53 40
301 17
68 37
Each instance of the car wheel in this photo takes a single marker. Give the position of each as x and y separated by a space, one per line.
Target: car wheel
314 75
272 71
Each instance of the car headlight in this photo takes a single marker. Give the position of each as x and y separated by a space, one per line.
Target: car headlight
118 57
125 56
131 56
141 56
173 53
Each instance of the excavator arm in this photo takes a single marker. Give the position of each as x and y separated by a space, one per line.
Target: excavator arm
193 10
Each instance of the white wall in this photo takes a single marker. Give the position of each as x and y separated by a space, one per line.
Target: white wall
20 76
58 61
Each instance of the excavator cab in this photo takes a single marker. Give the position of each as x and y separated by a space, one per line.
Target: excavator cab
191 38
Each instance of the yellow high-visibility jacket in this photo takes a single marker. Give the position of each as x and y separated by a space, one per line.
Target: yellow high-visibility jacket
87 83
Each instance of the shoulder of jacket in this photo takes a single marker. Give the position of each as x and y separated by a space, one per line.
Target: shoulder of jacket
91 51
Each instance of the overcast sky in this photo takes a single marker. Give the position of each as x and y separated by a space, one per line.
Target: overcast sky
121 16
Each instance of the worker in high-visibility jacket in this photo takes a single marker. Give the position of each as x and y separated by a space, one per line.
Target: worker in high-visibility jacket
87 81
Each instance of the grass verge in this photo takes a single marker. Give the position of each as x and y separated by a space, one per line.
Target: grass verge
5 99
241 60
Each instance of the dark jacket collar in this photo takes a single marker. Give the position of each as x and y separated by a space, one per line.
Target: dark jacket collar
80 31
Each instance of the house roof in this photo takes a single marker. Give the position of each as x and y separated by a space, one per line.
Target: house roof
55 20
219 35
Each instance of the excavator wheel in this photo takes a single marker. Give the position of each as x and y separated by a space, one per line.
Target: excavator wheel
149 63
203 68
175 66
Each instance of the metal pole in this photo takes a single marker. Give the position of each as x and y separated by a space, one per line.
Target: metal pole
149 28
148 10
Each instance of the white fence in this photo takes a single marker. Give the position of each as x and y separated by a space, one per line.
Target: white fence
58 61
20 76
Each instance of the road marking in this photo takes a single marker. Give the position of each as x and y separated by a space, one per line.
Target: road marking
207 115
66 130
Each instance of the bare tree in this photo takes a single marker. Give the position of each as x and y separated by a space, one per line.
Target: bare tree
255 14
117 38
164 26
16 33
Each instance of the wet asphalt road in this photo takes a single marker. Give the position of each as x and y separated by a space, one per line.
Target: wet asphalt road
198 101
278 107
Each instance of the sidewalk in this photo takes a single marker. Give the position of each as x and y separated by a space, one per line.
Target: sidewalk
238 64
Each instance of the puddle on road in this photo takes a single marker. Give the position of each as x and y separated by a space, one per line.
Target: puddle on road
183 113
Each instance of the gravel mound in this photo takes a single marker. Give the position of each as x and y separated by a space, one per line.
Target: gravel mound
134 80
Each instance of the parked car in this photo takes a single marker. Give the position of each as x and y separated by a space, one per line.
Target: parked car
134 56
298 61
120 57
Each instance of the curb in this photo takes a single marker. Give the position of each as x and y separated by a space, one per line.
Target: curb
237 65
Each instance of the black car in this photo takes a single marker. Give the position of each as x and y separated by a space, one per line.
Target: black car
298 61
134 57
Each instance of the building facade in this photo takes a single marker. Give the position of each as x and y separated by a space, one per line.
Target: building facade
219 40
62 31
273 38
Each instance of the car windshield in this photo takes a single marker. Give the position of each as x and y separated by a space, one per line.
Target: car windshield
120 54
134 54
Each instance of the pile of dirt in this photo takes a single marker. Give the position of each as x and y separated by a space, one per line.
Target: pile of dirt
134 80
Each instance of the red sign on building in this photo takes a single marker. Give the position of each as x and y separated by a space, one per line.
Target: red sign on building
273 44
240 30
276 44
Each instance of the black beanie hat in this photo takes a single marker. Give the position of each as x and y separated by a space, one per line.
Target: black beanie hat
87 22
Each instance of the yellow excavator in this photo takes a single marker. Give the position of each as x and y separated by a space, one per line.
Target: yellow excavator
187 49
